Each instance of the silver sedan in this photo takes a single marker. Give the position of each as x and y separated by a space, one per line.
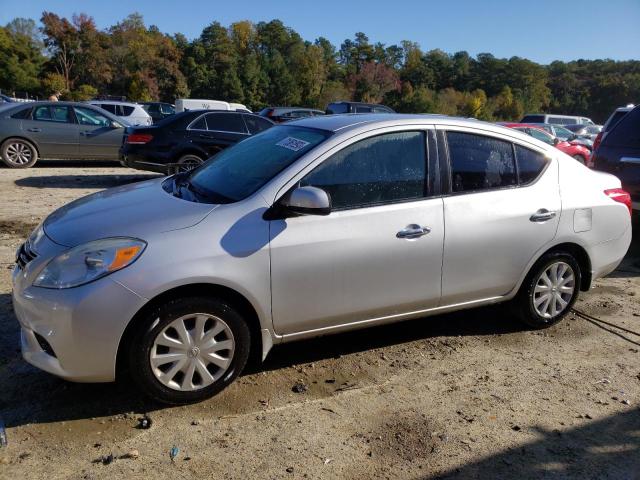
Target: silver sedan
313 227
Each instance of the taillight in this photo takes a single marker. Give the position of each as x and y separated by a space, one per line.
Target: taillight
597 141
619 195
139 138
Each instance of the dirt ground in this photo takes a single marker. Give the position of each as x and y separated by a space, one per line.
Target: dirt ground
467 395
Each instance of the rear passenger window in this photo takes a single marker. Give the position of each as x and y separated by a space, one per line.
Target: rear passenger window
109 108
479 162
22 114
199 124
127 110
530 164
42 113
383 169
225 122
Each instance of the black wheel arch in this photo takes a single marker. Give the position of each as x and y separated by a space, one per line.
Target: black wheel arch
238 301
581 256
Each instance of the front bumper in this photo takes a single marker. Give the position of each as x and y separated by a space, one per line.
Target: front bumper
79 328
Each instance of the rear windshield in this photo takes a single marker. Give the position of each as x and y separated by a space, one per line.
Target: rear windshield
532 119
627 131
613 121
240 170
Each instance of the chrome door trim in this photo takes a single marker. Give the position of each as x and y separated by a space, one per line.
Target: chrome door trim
630 160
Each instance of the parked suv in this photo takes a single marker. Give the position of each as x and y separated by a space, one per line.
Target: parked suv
357 107
311 227
619 153
185 140
557 119
133 113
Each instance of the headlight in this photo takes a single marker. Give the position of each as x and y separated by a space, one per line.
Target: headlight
90 261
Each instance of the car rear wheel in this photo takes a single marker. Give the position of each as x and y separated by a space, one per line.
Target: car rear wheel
579 158
189 162
18 153
188 350
549 291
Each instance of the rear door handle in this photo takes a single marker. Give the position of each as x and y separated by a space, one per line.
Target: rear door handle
33 130
542 215
412 231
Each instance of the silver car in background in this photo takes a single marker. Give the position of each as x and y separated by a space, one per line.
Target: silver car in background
313 227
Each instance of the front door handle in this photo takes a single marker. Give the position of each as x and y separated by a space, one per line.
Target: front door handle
542 215
34 130
412 231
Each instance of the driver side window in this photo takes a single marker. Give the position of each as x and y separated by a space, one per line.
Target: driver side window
383 169
88 116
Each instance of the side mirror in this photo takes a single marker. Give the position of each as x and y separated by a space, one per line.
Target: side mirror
115 124
556 140
307 201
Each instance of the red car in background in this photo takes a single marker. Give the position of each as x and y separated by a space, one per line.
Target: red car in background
577 151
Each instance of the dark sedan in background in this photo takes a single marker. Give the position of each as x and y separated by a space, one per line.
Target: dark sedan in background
57 130
284 114
185 140
158 110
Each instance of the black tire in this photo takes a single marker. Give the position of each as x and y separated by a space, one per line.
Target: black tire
155 322
11 153
524 302
189 161
580 159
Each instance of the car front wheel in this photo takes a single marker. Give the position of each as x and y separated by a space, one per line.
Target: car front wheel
188 350
549 291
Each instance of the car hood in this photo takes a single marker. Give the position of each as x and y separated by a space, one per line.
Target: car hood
135 210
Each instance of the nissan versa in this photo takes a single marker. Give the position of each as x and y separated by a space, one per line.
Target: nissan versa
312 227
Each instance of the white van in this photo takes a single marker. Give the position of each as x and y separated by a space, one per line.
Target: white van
185 104
556 119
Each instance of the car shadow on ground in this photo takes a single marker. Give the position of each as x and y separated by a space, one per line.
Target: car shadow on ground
82 181
607 448
28 395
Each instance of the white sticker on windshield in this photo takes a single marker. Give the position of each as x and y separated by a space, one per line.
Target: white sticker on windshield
291 143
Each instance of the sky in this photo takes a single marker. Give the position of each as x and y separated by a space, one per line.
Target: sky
542 31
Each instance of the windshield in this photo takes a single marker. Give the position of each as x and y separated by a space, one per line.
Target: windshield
563 133
239 171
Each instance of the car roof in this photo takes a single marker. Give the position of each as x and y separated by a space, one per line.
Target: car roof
113 102
345 121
